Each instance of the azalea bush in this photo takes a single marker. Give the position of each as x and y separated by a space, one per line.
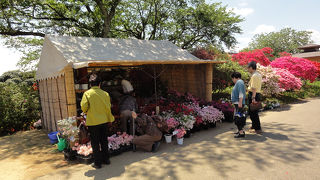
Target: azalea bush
270 79
187 121
299 67
180 132
83 149
68 128
287 81
260 56
210 114
120 139
317 64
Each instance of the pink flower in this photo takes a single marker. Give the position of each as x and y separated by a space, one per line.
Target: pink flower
181 132
299 67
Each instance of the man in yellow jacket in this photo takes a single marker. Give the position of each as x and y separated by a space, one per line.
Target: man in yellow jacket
96 104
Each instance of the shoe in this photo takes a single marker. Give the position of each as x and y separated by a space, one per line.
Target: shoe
107 162
95 166
155 146
259 131
240 135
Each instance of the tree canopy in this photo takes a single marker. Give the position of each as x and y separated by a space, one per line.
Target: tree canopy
286 39
186 23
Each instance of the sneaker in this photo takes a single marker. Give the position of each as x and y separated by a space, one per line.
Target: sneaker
96 166
155 146
240 135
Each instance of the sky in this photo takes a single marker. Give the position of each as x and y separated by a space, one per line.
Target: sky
261 16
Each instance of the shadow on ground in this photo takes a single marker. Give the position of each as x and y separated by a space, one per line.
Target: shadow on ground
217 148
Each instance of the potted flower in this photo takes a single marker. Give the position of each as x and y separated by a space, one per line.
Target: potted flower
180 134
211 115
172 123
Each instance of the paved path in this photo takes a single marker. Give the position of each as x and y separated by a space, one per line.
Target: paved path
288 149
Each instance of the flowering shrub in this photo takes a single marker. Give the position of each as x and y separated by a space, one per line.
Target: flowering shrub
282 54
299 67
198 120
287 81
181 132
83 149
317 64
186 121
270 80
117 140
68 127
260 56
171 124
202 53
210 114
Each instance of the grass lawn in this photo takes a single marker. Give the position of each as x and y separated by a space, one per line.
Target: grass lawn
308 90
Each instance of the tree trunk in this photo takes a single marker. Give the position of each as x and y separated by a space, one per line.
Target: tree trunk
107 15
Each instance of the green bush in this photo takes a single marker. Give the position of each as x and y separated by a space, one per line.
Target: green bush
222 75
19 103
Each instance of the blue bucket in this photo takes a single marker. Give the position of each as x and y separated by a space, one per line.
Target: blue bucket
53 137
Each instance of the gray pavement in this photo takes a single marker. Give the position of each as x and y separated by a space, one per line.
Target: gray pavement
288 149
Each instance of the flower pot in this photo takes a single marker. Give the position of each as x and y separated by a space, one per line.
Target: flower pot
213 124
70 155
85 159
180 141
168 138
188 133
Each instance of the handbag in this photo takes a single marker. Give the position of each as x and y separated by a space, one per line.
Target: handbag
83 134
255 106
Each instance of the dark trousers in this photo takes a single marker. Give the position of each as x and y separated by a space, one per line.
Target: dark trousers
99 143
240 122
254 116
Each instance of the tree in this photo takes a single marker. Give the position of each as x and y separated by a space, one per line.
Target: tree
286 39
40 17
185 23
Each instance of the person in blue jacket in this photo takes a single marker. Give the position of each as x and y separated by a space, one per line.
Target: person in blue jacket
238 97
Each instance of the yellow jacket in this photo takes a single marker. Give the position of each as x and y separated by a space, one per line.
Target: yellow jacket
96 104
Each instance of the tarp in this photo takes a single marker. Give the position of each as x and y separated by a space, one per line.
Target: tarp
59 51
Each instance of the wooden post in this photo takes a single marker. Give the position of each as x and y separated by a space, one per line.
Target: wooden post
209 75
70 91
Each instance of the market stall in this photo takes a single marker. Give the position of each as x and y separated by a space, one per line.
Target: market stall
66 61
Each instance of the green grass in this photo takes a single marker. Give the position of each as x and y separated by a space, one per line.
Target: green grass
308 90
